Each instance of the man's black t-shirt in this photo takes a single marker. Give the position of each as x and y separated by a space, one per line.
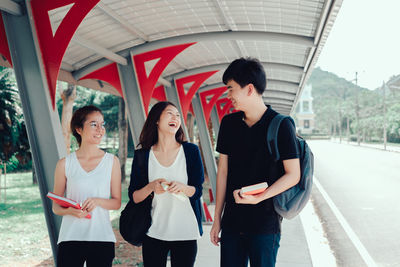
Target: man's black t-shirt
248 163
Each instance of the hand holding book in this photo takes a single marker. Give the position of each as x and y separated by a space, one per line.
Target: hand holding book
66 202
250 194
254 189
181 196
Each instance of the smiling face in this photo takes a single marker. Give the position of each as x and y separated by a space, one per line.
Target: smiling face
170 120
93 128
237 94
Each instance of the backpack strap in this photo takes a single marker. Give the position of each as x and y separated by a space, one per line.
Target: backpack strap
272 135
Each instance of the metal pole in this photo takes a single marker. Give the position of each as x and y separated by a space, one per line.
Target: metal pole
42 121
215 121
384 117
133 99
357 111
208 151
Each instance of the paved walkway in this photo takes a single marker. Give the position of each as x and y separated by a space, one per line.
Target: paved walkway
293 252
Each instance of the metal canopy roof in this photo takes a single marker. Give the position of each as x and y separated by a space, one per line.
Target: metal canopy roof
285 35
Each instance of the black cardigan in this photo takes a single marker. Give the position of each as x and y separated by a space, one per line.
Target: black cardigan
194 168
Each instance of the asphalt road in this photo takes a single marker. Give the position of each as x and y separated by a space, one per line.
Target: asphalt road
364 184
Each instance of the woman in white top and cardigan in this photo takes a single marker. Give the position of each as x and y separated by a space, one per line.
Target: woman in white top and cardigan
91 177
173 176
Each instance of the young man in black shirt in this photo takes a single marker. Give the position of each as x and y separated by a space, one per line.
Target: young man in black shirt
250 227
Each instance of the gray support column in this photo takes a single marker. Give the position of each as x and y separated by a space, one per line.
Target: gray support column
42 122
172 96
133 99
215 121
206 145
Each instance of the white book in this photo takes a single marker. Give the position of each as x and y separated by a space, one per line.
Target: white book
254 189
181 196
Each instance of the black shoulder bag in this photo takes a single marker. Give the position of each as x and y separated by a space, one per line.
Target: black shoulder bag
135 219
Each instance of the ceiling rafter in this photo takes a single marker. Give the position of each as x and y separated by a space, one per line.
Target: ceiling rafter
99 50
223 66
10 7
123 22
240 49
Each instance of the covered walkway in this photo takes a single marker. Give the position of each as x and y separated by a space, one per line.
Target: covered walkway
147 51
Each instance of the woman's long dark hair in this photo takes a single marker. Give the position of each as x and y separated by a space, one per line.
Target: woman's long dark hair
149 135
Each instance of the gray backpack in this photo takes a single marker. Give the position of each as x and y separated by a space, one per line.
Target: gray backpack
289 203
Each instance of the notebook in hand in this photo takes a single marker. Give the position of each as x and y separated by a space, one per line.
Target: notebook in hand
65 202
254 189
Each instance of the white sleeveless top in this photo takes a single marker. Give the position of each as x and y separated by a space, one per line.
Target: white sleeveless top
80 186
172 218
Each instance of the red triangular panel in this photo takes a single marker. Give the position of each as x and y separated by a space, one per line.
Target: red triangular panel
186 99
159 93
4 49
108 74
148 82
53 48
223 106
207 106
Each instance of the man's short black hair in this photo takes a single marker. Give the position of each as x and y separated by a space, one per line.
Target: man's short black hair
244 71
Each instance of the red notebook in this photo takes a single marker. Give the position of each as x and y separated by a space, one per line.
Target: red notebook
254 189
65 202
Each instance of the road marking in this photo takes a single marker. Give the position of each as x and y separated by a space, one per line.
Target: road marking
318 245
346 227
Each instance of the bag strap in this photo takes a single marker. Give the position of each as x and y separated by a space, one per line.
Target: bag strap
272 135
142 159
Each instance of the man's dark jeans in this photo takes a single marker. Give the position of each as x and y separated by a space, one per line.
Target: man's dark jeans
238 248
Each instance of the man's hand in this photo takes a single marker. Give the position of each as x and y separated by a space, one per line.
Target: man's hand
247 199
214 233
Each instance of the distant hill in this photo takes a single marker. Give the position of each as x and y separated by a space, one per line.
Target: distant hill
339 103
327 84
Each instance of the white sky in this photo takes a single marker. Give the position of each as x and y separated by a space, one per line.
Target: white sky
365 38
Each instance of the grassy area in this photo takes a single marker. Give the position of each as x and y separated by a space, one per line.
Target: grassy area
24 236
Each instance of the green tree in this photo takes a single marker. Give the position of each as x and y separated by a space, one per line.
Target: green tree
10 114
109 104
393 118
335 102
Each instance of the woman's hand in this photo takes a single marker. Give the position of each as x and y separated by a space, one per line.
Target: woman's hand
156 186
176 187
90 204
77 212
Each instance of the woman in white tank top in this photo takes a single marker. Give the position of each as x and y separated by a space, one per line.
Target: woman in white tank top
172 174
93 178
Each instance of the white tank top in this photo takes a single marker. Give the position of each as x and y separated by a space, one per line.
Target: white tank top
172 218
80 186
